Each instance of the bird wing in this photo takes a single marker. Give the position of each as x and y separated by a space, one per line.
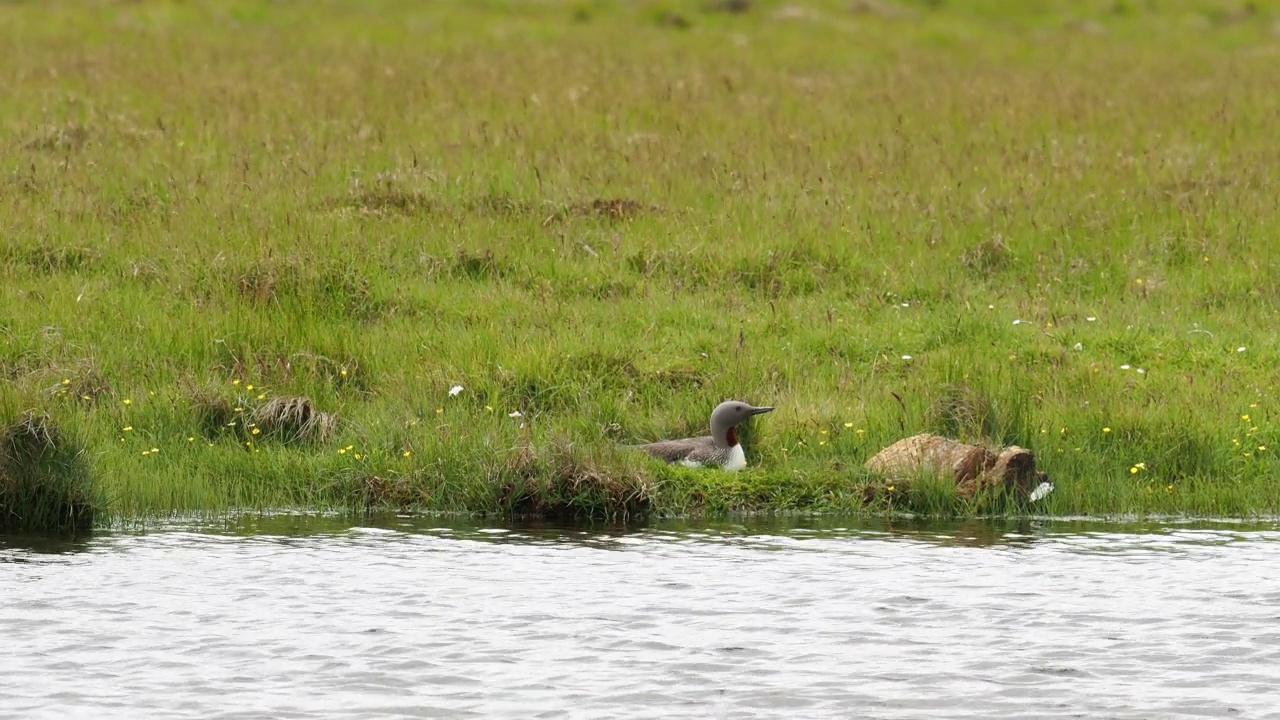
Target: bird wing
697 449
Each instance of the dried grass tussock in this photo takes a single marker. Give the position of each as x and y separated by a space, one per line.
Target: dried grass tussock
294 419
973 468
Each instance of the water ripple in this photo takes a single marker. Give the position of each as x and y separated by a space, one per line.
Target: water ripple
1179 622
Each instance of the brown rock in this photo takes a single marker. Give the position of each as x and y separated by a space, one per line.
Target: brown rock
973 467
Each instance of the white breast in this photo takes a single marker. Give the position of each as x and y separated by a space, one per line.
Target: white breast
736 460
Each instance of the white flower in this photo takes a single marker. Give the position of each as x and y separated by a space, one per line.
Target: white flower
1240 349
1091 318
906 304
906 357
1124 367
1141 371
1078 346
515 413
455 390
1017 322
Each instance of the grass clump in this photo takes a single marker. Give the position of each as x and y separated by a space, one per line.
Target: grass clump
373 493
47 259
564 482
44 483
293 420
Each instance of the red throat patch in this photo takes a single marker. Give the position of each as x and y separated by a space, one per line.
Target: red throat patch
733 436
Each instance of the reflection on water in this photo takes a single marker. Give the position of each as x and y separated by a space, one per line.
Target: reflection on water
405 617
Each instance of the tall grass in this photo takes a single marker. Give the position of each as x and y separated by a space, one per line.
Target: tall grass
1050 225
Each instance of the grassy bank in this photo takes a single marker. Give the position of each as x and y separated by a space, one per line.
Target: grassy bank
1054 226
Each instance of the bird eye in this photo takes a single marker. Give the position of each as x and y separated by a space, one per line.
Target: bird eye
739 408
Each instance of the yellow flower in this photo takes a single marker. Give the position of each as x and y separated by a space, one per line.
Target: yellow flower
860 431
848 425
350 446
1262 448
823 431
1106 429
248 387
1141 466
128 428
357 456
84 397
146 452
127 401
262 396
407 453
488 408
66 381
155 450
235 382
439 410
890 488
256 431
342 451
1253 405
822 442
1244 418
239 409
344 373
1133 470
191 439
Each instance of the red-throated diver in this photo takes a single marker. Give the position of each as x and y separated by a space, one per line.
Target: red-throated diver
719 449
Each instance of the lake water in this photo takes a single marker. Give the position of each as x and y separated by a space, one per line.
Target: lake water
296 618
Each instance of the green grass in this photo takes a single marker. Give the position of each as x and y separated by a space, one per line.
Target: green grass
609 216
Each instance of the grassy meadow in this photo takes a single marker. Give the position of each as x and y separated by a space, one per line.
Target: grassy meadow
1047 223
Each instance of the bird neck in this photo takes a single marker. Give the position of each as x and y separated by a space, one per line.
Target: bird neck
731 437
